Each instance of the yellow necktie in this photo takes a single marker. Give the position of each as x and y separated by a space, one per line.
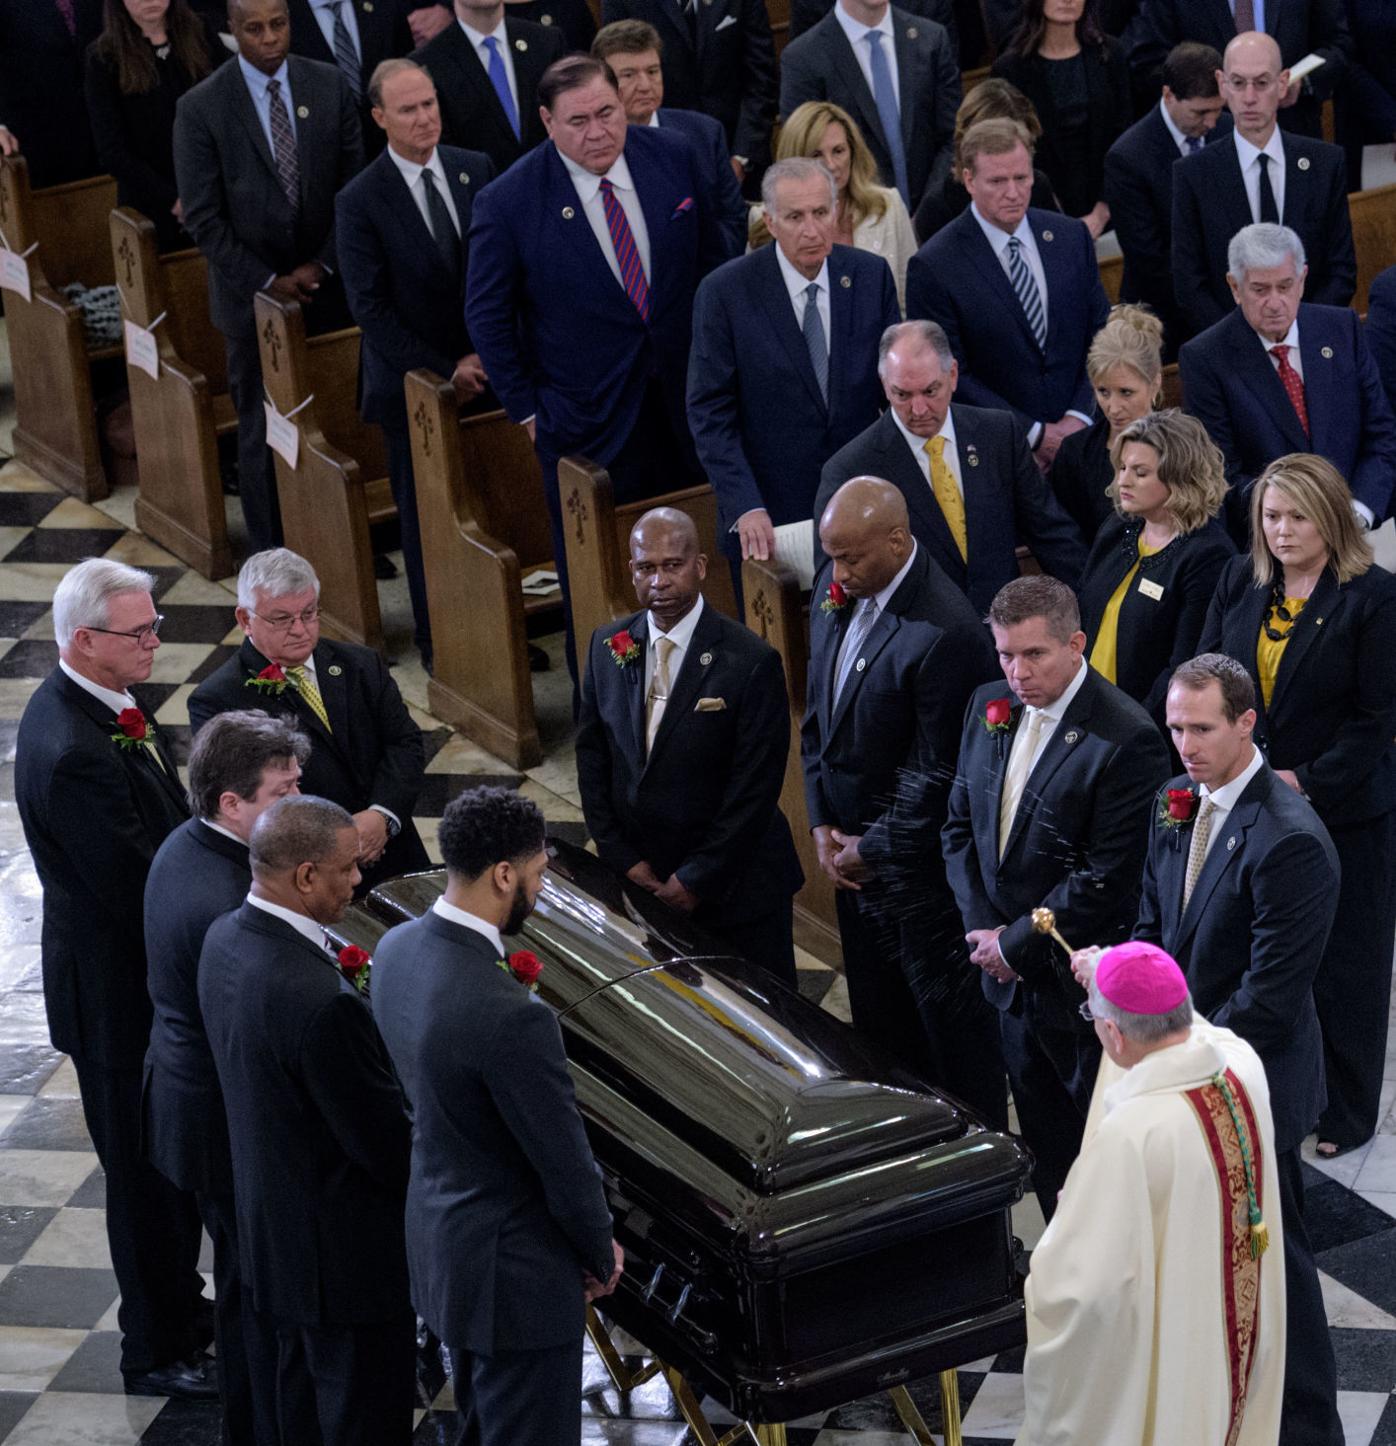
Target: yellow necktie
659 689
306 684
952 504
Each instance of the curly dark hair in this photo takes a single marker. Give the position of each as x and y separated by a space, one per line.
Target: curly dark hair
486 826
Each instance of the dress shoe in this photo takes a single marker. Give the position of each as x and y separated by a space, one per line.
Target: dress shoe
192 1379
538 660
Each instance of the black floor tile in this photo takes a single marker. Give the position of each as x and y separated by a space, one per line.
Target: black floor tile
27 509
165 579
56 1295
1010 1361
1335 1215
185 1423
1385 1434
29 658
212 663
1365 1266
94 1366
438 789
569 831
63 544
196 622
16 618
20 1227
434 740
92 1193
1366 1359
49 1124
815 983
437 1428
13 1405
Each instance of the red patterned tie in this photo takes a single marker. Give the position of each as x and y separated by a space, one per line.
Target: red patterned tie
632 274
70 15
1293 384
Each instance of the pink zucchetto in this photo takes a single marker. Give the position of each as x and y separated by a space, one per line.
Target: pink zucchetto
1140 978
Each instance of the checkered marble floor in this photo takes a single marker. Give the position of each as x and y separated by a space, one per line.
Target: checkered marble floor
59 1381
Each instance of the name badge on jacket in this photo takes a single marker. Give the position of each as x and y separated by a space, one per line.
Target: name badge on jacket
1151 589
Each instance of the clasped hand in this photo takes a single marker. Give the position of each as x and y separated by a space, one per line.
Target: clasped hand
839 858
595 1289
671 891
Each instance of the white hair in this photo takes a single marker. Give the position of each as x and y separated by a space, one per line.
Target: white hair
797 168
1261 246
83 598
277 572
1142 1028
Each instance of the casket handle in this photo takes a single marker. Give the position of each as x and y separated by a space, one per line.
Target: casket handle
653 1286
677 1309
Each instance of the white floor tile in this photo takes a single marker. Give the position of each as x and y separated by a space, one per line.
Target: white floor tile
31 1356
997 1408
73 1237
1378 1170
1383 1200
67 1418
1344 1169
1360 1411
1345 1308
43 1177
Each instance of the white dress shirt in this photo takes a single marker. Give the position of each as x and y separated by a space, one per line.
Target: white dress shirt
115 701
261 100
857 34
1052 714
1179 139
681 635
1246 155
226 832
453 915
797 285
1291 340
477 40
412 174
303 924
588 188
324 11
922 458
885 596
1224 798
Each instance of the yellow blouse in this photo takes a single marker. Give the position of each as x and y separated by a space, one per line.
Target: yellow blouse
1268 652
1105 649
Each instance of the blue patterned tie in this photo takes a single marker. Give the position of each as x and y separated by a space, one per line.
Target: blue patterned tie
886 98
499 78
283 145
346 57
632 270
1194 144
853 641
1029 297
812 324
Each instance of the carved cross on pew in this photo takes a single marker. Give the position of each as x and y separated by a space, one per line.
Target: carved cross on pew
578 509
425 427
128 262
763 616
272 336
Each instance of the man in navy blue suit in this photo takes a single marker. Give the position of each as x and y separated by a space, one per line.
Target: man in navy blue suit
633 50
1016 290
584 259
1278 376
402 226
784 365
1381 328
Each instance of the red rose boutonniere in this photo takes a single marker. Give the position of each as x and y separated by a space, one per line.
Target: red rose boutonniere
998 715
132 728
270 680
1176 807
835 600
356 964
526 967
624 649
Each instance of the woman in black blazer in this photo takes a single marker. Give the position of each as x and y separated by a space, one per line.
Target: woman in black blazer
1313 619
149 53
1155 563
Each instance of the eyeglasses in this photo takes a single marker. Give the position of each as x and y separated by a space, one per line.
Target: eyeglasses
284 622
140 635
1084 1010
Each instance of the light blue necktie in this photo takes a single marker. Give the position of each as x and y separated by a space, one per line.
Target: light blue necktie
858 631
346 57
499 78
886 98
1193 143
1029 297
813 327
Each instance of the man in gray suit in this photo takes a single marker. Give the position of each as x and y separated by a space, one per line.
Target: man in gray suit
508 1230
261 147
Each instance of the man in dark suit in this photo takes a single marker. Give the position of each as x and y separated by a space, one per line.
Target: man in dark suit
43 108
368 753
487 70
98 792
1257 173
508 1228
632 49
402 226
239 766
320 1143
719 59
895 652
590 356
806 14
783 369
260 148
1049 808
1139 179
971 489
896 74
1243 894
1016 290
1380 328
1277 376
681 752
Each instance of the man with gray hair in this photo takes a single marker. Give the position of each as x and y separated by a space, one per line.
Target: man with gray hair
972 490
98 793
1155 1304
368 753
1277 375
783 370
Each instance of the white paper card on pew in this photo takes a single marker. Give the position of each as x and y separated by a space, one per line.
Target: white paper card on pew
14 273
1307 66
142 350
283 436
795 548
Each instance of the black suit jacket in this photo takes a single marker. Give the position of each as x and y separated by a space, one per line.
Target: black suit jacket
320 1138
1007 501
234 206
471 114
1332 716
806 14
820 65
198 876
1081 471
41 87
1210 207
880 762
942 203
374 754
704 802
709 143
94 814
1380 328
502 1175
1253 934
399 288
1077 843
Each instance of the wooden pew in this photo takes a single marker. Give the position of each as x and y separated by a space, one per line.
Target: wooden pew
1373 235
1112 271
56 415
484 526
179 416
1172 386
339 485
597 536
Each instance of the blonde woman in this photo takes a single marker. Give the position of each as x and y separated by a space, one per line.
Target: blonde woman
869 216
1313 619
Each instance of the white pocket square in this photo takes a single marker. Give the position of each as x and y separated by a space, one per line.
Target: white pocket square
725 22
710 705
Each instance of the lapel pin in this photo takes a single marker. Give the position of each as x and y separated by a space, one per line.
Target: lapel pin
972 456
1231 843
465 178
303 111
862 663
335 670
1303 163
367 7
1326 353
1072 737
706 659
568 213
521 45
545 19
845 281
912 32
1046 235
1318 622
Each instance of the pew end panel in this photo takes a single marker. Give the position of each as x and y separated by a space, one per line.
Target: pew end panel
1112 273
482 684
1373 215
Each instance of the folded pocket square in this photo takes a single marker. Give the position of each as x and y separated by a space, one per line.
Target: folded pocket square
724 23
685 205
710 705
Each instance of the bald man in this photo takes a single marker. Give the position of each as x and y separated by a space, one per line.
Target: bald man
681 751
1258 173
895 652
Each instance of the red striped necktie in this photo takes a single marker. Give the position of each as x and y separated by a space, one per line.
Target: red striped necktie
632 274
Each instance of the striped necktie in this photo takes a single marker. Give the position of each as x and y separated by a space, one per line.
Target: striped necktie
345 56
812 324
632 273
1025 287
305 686
283 145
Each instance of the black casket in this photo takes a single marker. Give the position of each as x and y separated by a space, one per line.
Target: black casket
804 1223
